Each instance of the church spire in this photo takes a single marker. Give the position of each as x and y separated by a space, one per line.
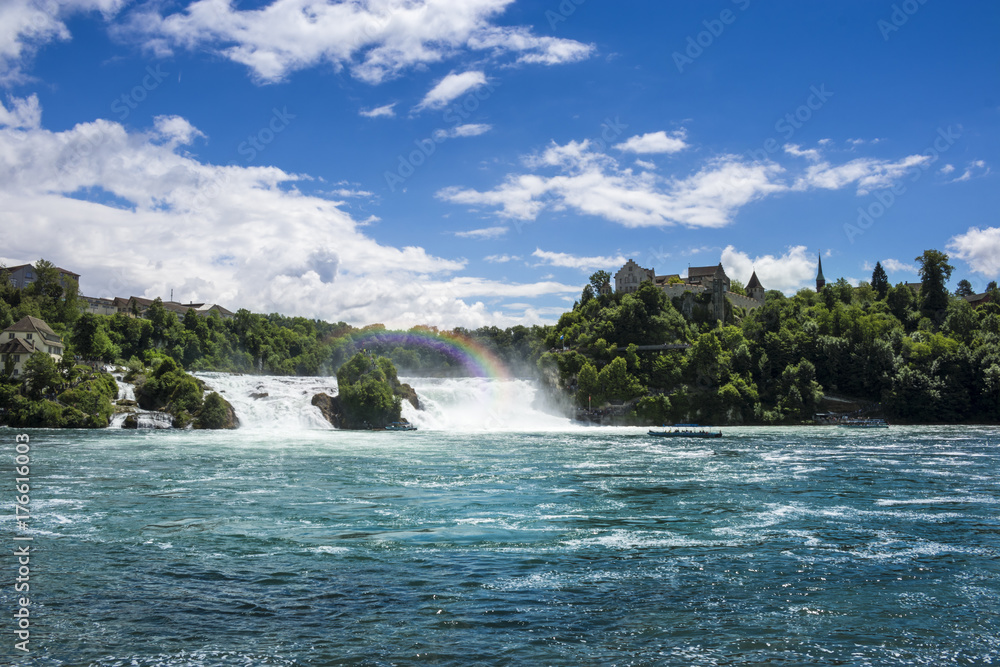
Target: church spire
820 280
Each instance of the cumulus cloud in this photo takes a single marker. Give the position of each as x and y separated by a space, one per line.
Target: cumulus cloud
788 273
565 260
135 214
374 39
26 25
868 173
593 183
897 266
655 142
175 130
980 248
24 113
450 88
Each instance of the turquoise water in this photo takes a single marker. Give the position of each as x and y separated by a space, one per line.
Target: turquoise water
797 546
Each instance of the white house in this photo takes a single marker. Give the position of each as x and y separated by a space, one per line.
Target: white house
28 335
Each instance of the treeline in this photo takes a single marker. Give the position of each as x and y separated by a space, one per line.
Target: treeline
922 356
246 343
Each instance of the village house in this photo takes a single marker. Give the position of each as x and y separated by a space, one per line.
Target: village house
24 274
27 336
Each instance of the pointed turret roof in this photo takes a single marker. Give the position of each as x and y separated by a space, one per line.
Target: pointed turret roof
754 282
819 275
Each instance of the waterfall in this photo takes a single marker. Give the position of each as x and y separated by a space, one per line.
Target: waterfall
144 418
449 404
477 404
273 402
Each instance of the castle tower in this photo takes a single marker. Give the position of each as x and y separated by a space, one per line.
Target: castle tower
820 280
755 289
719 283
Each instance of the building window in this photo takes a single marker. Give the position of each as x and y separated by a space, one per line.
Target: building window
17 358
29 336
16 371
27 275
10 335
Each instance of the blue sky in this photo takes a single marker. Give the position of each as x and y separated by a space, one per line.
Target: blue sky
472 162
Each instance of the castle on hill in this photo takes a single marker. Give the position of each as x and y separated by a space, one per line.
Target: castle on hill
700 279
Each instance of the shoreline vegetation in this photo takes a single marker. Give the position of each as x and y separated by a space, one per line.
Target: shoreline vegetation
910 354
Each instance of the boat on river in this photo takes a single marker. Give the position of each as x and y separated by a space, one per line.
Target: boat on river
686 431
401 426
865 423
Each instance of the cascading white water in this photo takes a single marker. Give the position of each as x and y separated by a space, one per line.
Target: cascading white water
452 404
273 402
144 418
475 404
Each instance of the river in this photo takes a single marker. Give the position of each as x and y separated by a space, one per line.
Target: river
501 534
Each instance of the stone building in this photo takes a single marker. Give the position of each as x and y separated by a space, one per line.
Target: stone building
700 279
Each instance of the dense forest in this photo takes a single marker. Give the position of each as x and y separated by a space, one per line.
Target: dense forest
922 355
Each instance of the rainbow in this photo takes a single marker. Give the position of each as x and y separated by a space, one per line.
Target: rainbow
473 356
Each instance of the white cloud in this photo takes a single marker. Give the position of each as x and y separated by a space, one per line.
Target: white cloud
384 111
593 183
502 259
175 130
655 142
947 169
25 25
980 248
798 151
374 39
567 261
897 266
869 173
648 166
137 215
24 113
788 273
450 88
467 130
485 233
974 169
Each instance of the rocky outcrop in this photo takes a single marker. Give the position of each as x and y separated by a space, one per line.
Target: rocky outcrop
330 407
407 393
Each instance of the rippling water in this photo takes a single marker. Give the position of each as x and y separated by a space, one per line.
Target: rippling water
796 546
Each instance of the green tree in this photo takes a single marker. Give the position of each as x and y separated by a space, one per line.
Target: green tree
964 288
588 391
617 383
935 271
880 281
598 279
41 375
